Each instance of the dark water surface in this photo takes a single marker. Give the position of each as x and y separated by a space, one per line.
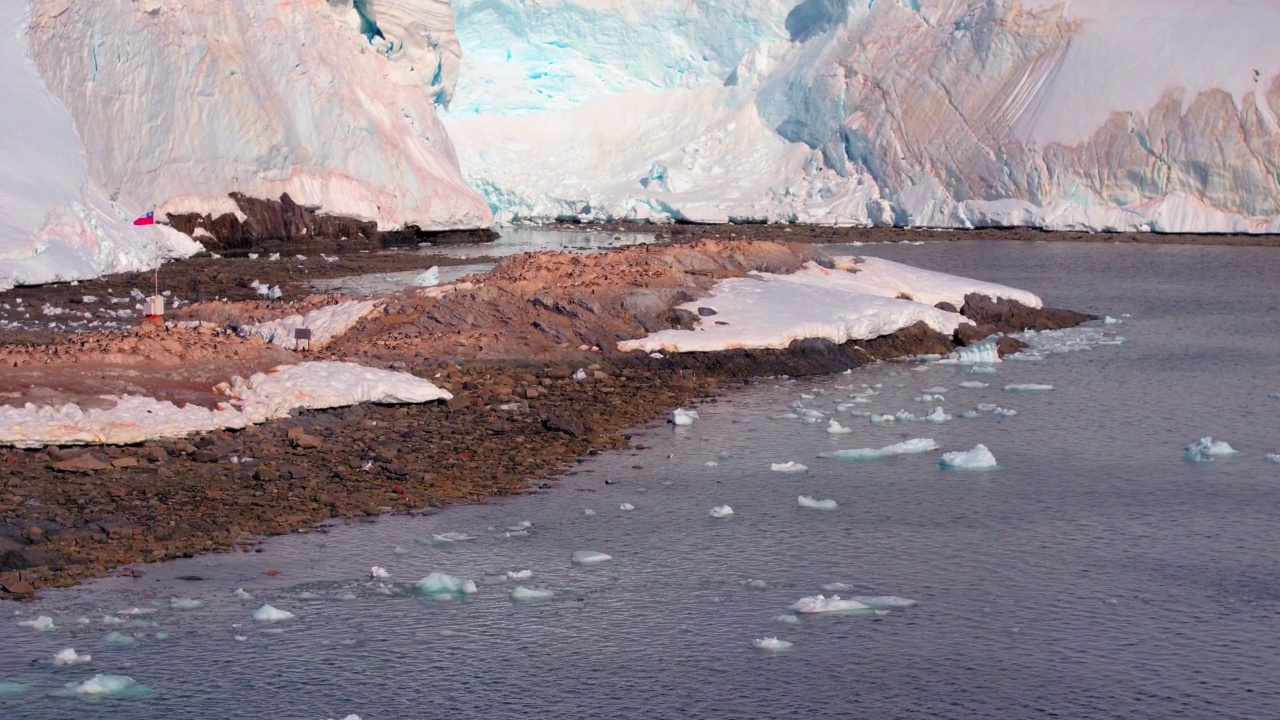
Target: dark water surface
1096 575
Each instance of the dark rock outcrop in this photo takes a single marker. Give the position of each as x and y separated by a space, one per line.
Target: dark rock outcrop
1011 316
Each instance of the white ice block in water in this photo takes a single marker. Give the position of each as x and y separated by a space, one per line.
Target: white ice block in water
13 688
884 602
788 467
819 604
936 415
883 419
69 656
429 278
519 575
787 619
1028 387
104 686
904 416
1002 412
1207 449
984 353
626 506
184 603
118 639
523 593
837 587
442 586
835 428
44 623
721 511
450 537
680 416
935 390
588 512
589 557
974 384
772 644
379 573
1274 395
928 398
755 584
805 501
271 614
979 458
241 594
907 447
1273 457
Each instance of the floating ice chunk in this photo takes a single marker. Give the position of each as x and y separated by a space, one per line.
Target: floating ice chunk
883 419
805 501
787 619
1274 395
907 447
241 594
1273 457
837 587
522 525
1108 320
987 407
44 623
983 370
927 398
379 573
104 686
138 611
1002 412
350 717
984 353
519 575
785 416
937 416
1206 449
580 374
162 636
835 428
809 414
970 414
682 417
69 656
400 550
450 537
588 512
118 639
979 458
974 384
13 688
184 603
755 584
441 586
308 596
721 511
626 506
270 614
833 604
711 463
904 416
429 278
772 644
523 593
1028 387
884 602
589 557
935 390
788 467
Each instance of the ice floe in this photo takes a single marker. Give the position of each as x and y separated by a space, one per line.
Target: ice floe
271 614
242 594
44 623
721 511
883 419
980 353
835 428
521 592
184 603
443 587
119 639
974 384
680 416
428 278
936 415
806 501
1206 449
907 447
588 512
69 656
788 467
884 602
590 557
1273 457
379 573
13 688
979 458
104 686
626 506
772 644
1028 388
837 587
519 574
820 604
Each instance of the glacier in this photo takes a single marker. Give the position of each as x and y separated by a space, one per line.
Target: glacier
1114 115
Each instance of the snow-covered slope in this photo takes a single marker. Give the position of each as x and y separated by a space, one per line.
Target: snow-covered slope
174 104
1087 114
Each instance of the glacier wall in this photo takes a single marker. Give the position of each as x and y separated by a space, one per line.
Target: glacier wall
1083 114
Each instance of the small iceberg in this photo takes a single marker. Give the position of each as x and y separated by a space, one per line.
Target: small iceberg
589 557
444 587
118 639
979 353
242 594
1028 388
523 593
13 688
104 686
69 656
983 370
519 575
772 644
805 501
884 602
928 398
626 506
1002 412
430 278
937 416
837 587
379 573
819 604
721 511
786 619
788 467
44 623
1206 449
450 537
684 417
270 614
1273 457
755 584
1274 395
883 419
974 384
979 458
835 428
907 447
184 603
785 416
588 512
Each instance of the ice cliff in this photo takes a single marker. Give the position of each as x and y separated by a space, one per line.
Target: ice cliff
1071 114
118 106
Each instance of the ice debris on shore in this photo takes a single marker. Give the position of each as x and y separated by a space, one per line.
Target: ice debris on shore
69 656
683 417
906 447
806 501
428 278
590 557
104 686
980 353
44 623
835 428
721 511
1206 449
772 644
444 587
819 604
979 458
521 592
1028 388
271 614
788 467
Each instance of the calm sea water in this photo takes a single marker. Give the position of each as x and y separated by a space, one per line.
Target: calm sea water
1095 575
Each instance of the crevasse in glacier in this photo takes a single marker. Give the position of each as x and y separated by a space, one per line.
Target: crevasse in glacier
1091 114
